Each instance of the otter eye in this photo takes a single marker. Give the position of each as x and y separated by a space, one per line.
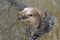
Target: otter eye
30 14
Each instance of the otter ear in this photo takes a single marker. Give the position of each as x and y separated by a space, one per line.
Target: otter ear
45 14
41 13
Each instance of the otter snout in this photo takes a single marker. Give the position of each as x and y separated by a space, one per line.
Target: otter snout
22 17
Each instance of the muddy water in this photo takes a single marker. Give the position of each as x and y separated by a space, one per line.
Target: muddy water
12 29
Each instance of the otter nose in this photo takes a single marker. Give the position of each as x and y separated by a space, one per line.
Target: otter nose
23 17
19 18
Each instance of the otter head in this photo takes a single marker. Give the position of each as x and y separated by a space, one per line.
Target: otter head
31 16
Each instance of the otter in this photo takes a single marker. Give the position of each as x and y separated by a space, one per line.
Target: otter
39 22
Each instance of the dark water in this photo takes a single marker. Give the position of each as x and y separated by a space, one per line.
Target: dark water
12 29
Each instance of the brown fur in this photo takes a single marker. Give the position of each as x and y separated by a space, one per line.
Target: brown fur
39 22
36 17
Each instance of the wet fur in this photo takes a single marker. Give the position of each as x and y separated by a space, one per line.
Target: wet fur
39 23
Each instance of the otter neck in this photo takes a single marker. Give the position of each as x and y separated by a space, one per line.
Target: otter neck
35 25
